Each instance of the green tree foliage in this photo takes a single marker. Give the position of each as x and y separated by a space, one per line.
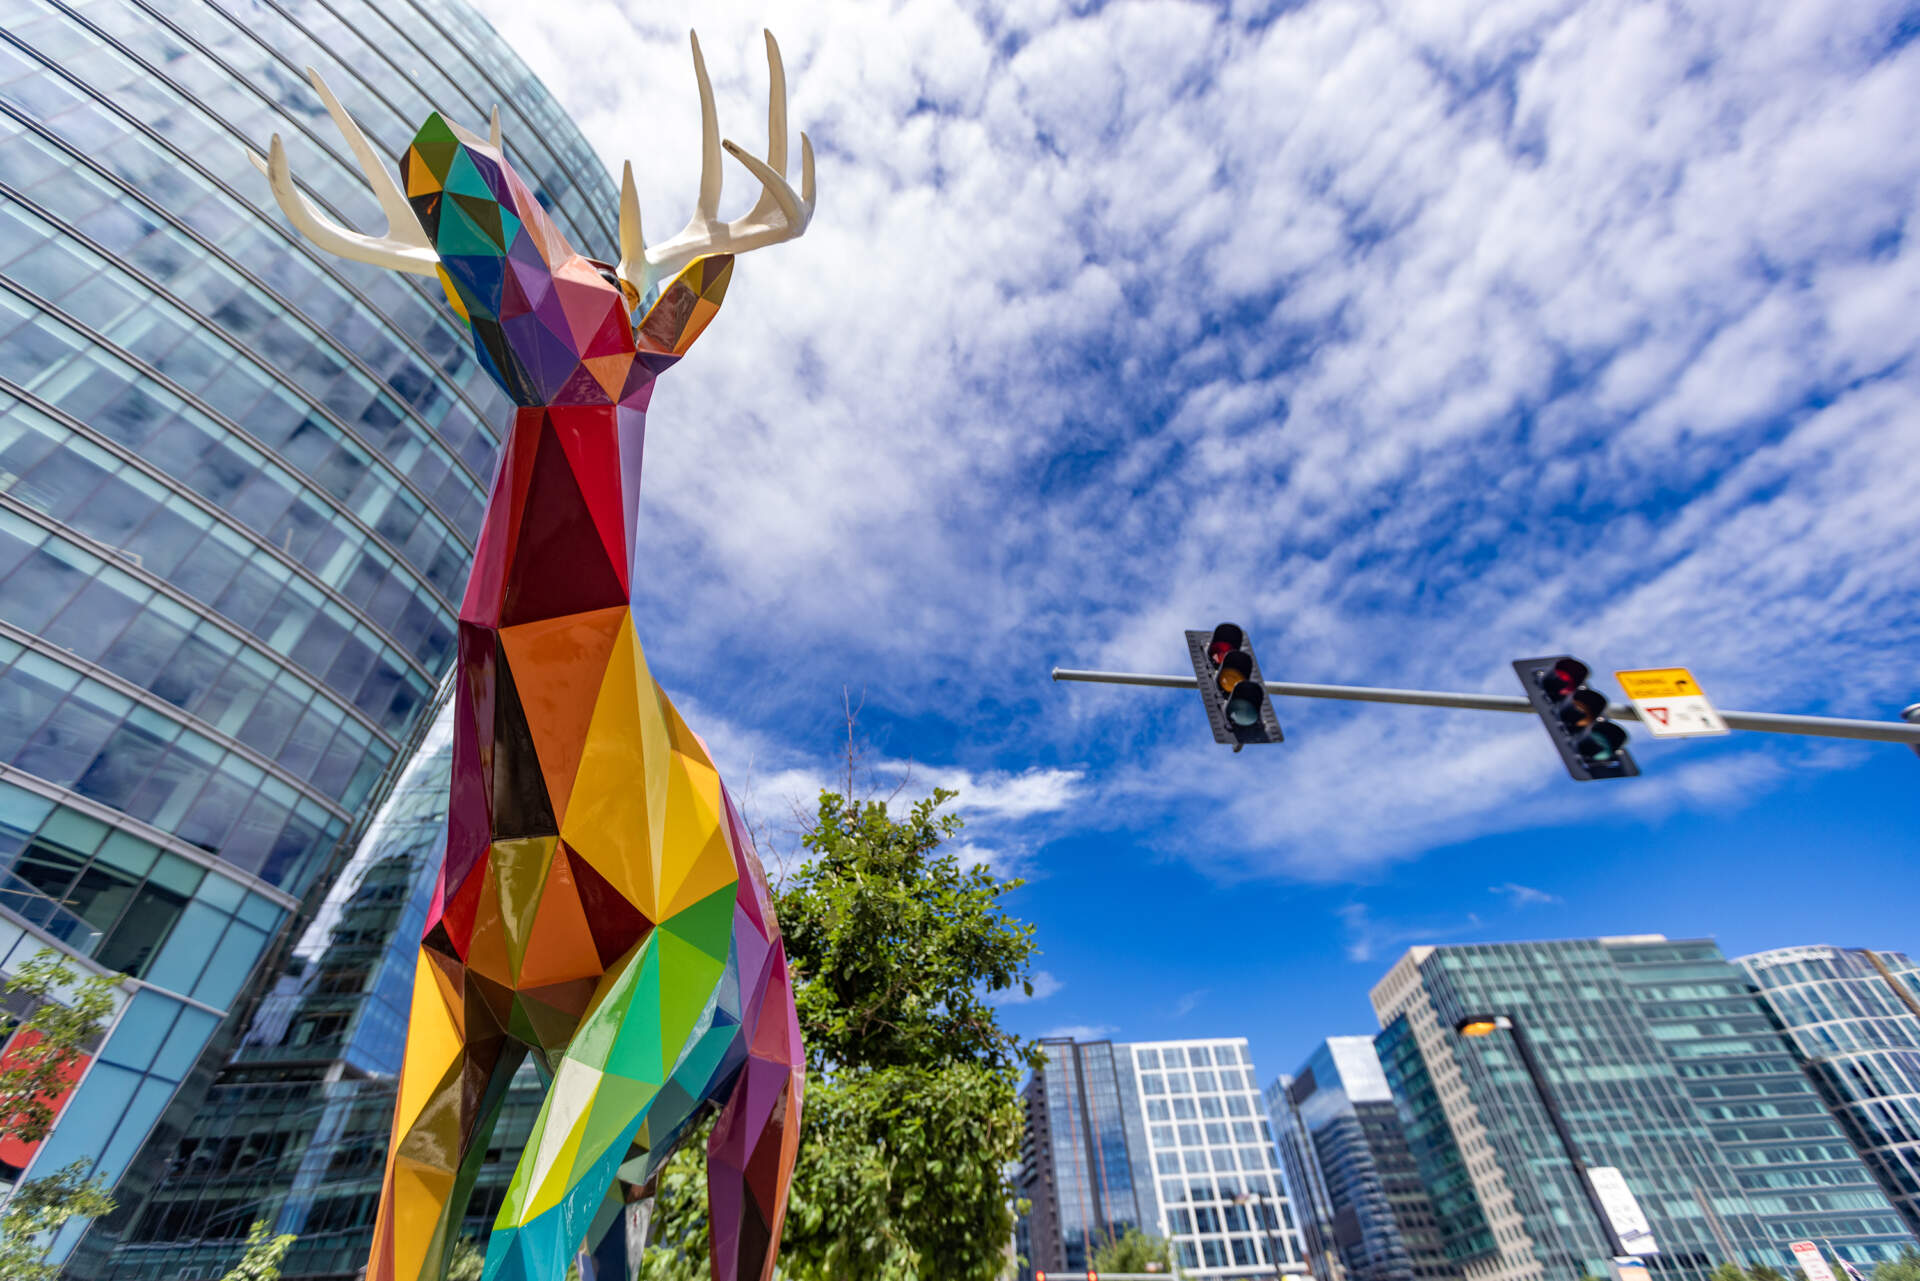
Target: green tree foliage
1134 1251
46 1052
264 1253
912 1113
38 1209
1728 1272
1904 1268
469 1261
1766 1272
69 1013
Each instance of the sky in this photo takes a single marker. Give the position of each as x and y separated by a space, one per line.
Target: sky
1415 338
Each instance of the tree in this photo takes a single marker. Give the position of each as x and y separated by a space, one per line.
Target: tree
43 1059
1766 1272
469 1261
1134 1251
39 1208
1728 1272
264 1252
1904 1268
912 1114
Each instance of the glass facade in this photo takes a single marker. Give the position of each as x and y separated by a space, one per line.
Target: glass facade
1853 1019
295 1129
1081 1167
239 485
1357 1189
1218 1173
1168 1137
1664 1066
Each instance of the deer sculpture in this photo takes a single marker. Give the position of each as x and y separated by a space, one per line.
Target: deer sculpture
600 905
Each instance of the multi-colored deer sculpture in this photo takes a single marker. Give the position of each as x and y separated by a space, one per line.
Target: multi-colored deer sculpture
600 905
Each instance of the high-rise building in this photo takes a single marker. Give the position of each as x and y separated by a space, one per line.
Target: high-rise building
239 485
1167 1136
1083 1165
294 1131
1663 1065
1853 1017
1357 1191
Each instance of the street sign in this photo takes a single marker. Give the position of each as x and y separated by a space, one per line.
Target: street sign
1616 1198
1670 702
1810 1261
1628 1268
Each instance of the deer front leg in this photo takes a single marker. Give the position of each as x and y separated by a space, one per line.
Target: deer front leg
452 1082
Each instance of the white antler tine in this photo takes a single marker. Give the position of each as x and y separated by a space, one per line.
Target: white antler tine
775 188
633 244
708 207
806 173
381 251
776 108
393 202
493 129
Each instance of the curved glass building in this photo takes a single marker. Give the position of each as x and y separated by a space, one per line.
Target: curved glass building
239 486
1853 1018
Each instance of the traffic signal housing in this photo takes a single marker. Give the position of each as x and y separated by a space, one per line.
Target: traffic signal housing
1576 718
1229 677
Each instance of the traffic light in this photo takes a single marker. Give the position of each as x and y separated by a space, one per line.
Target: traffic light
1229 678
1576 718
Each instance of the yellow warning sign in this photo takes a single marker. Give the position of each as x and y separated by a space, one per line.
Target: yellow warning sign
1670 702
1657 682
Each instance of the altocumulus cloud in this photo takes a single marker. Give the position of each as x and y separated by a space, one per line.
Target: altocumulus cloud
1413 303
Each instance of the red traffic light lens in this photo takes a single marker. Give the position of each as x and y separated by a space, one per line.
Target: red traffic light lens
1567 675
1226 638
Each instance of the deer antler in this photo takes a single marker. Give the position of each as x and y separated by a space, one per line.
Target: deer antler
405 246
778 215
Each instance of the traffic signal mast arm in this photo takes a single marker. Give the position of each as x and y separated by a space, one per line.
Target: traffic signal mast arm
1758 722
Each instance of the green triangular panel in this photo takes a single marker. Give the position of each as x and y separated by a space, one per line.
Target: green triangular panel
593 1043
459 236
708 924
484 212
435 129
695 975
635 1052
465 180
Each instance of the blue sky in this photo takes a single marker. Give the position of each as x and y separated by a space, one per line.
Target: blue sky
1416 337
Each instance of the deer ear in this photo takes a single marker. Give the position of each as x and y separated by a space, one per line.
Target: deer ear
684 307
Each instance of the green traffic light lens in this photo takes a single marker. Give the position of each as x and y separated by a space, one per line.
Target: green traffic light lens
1242 709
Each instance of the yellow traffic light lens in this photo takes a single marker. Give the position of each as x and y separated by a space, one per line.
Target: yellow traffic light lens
1229 677
1479 1027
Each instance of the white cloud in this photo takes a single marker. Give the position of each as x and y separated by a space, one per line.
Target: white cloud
1044 986
1189 1001
1083 1031
1481 328
1524 895
1368 938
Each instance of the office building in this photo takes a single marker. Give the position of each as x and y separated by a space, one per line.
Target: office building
239 484
1364 1213
1663 1065
1853 1018
1167 1136
294 1131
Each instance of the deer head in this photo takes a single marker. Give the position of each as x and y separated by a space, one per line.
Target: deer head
550 325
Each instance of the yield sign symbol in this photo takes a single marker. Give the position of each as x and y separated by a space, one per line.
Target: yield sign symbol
1658 713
